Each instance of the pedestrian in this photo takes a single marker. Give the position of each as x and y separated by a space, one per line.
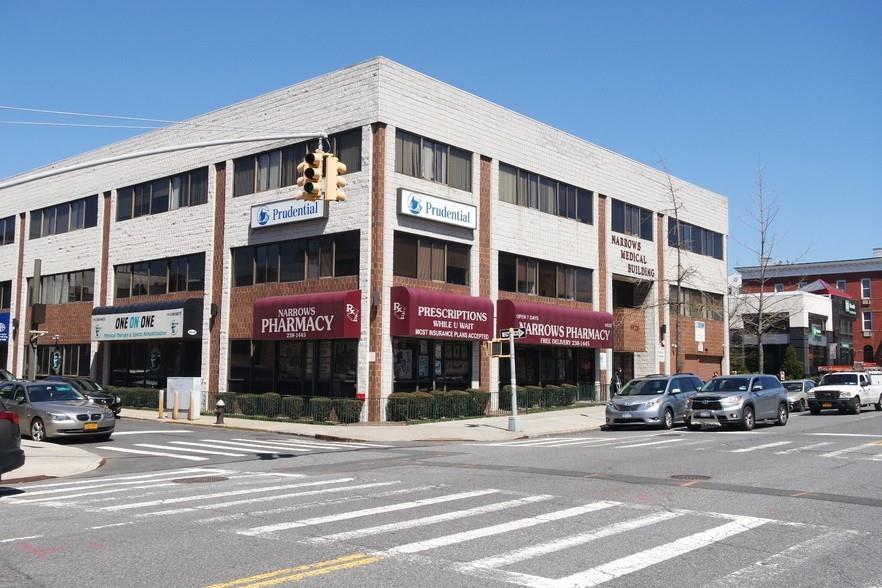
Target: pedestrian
734 372
716 373
619 380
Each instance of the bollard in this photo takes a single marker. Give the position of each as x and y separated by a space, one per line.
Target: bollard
175 406
162 404
219 411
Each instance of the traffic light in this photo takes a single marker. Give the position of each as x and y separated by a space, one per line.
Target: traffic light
310 179
334 168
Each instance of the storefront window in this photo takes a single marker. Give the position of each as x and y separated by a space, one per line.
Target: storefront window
63 360
421 364
149 363
540 365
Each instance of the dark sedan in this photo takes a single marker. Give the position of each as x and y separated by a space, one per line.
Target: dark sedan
11 455
91 390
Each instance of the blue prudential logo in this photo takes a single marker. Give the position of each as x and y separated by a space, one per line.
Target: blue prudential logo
263 216
416 204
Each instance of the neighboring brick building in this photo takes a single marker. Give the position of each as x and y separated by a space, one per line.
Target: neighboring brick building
462 217
858 319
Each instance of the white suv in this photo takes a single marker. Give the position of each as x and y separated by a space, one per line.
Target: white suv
847 391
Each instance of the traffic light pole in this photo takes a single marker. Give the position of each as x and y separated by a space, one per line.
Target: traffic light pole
513 423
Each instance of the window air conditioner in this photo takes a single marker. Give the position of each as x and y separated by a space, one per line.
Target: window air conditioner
867 333
865 302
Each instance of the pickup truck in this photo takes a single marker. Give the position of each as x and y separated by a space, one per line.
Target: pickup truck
847 391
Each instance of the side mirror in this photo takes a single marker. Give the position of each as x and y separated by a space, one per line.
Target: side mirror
757 387
21 400
675 391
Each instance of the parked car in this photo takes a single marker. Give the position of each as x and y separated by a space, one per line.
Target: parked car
55 409
654 400
91 390
11 454
738 400
846 391
797 393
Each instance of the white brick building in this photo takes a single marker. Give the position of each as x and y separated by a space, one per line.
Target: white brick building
584 235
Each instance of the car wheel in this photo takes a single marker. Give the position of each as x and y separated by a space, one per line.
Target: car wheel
856 408
783 415
38 430
668 419
878 405
801 406
103 437
747 419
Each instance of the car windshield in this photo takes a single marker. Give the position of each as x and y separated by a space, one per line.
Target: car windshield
52 393
839 379
88 386
793 386
644 387
727 385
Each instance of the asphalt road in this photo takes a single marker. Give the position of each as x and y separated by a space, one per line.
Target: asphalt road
794 506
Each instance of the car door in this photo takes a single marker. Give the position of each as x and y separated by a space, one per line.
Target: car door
760 398
19 405
676 396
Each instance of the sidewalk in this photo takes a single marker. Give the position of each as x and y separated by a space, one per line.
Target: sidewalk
538 424
51 460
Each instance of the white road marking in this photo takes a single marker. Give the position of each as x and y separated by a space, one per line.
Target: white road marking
804 448
97 486
515 525
153 453
266 499
648 443
532 551
423 521
111 525
20 538
203 451
61 499
251 445
757 447
216 446
310 443
844 435
267 529
644 559
174 432
142 477
221 494
848 450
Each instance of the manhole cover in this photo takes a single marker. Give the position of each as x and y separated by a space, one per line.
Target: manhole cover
204 480
690 477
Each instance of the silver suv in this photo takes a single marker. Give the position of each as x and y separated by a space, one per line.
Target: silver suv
738 400
653 400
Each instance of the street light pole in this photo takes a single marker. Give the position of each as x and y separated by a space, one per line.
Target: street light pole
513 424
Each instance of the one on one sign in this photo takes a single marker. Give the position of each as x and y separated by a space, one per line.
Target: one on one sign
148 324
438 209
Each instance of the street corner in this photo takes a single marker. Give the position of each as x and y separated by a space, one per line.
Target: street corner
52 460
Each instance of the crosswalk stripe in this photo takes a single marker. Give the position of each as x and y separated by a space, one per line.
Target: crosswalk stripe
515 525
424 521
203 451
804 448
848 450
251 445
154 453
291 445
844 435
64 497
644 559
648 443
213 446
764 446
268 529
110 480
130 506
166 432
311 443
98 486
532 551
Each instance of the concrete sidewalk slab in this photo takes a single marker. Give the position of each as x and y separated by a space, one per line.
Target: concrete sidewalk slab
51 460
538 424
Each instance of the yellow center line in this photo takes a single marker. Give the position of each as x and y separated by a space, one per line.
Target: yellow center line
299 572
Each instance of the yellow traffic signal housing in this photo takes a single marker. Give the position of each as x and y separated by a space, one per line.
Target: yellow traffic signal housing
334 169
310 179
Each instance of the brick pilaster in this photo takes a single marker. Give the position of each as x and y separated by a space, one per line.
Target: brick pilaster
485 260
19 276
662 288
217 275
105 280
376 264
604 305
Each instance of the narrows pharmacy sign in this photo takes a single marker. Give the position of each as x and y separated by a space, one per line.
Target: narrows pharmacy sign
286 211
438 209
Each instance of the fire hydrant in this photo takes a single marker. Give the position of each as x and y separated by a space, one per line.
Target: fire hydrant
219 412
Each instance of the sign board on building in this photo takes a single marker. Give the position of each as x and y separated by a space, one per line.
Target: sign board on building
327 315
440 315
633 256
286 211
438 209
849 307
147 324
4 328
699 331
514 333
547 324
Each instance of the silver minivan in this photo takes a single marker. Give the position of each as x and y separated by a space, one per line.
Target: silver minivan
653 400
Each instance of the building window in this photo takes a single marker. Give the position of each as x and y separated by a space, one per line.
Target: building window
544 278
419 157
277 168
840 285
158 196
430 259
867 320
696 304
7 230
865 288
160 276
78 286
695 239
5 294
63 360
61 218
779 287
326 256
631 220
523 188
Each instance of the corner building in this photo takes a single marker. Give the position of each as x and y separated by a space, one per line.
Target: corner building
462 218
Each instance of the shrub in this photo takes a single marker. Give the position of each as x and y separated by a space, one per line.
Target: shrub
569 393
479 401
229 399
348 410
136 397
248 404
553 396
505 397
292 407
450 404
319 408
406 406
534 395
270 404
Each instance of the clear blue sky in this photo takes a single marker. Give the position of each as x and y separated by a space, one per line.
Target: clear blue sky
710 87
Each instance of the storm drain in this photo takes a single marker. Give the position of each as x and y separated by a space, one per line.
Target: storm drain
690 477
205 480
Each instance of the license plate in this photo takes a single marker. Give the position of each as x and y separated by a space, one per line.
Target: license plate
704 414
827 405
90 426
626 415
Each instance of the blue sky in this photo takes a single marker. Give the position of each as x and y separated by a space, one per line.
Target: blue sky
712 88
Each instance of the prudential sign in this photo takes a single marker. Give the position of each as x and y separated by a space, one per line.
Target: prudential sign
438 209
286 211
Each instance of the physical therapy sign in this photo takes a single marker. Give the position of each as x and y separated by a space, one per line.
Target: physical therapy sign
149 324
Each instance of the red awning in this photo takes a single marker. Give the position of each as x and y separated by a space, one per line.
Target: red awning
440 315
329 315
547 324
